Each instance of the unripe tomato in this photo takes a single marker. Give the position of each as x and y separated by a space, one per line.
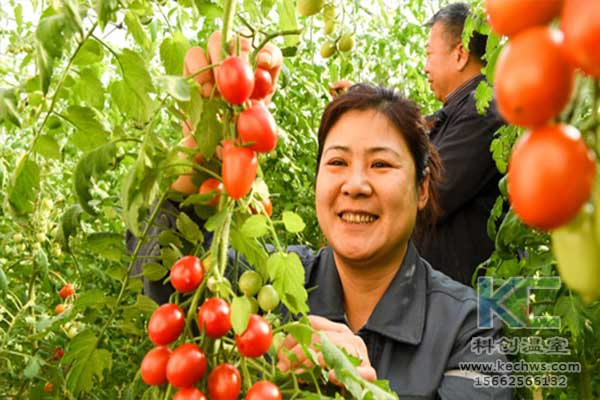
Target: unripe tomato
40 237
263 83
263 390
66 291
154 366
327 49
268 298
48 387
187 274
580 22
308 8
256 124
346 42
224 383
550 176
239 170
214 317
533 81
256 339
17 238
329 27
210 185
508 17
250 283
190 393
166 324
235 80
186 366
59 309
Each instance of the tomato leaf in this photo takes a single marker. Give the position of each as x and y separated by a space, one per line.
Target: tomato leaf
287 21
3 281
287 274
188 228
301 332
47 147
137 31
169 237
91 52
87 362
251 250
208 131
240 314
89 88
33 367
172 52
69 223
93 298
92 165
255 226
90 132
24 186
293 222
154 271
107 244
176 86
8 111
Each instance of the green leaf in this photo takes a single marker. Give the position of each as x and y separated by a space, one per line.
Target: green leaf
169 237
69 224
91 52
107 244
40 260
302 332
154 271
293 222
136 30
287 274
215 221
24 186
90 132
176 86
92 165
287 21
240 314
89 89
87 362
188 228
251 250
483 95
51 33
93 298
32 369
172 53
255 226
45 67
170 255
8 111
104 9
3 281
46 146
208 131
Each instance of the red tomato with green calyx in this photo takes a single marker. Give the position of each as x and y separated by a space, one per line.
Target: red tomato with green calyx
580 22
186 366
166 324
235 80
263 83
187 274
154 366
66 291
239 169
256 339
189 394
224 383
550 176
212 185
257 125
263 390
214 317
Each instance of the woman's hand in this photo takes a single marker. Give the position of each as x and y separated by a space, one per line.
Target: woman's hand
340 335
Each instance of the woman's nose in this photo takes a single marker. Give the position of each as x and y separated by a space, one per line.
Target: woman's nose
357 183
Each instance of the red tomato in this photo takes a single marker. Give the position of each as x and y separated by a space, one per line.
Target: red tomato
59 309
154 366
580 22
550 176
224 383
166 324
48 387
189 394
507 17
239 169
256 339
235 80
214 316
263 390
263 82
66 291
186 366
533 81
256 124
187 274
210 185
57 354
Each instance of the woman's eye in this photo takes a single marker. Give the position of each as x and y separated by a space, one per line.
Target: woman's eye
381 164
335 162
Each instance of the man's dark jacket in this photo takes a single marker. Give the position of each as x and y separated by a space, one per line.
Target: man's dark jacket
459 241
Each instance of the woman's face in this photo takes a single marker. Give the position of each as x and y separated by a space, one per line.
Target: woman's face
366 195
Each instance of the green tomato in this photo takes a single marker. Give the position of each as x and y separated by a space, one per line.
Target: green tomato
327 49
253 304
17 238
250 283
309 7
346 42
329 27
268 298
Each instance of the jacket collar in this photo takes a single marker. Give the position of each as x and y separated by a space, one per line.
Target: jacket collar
399 315
462 91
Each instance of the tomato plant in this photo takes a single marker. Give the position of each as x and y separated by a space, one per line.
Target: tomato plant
212 185
256 339
166 324
186 366
154 366
257 126
187 274
224 382
235 80
214 317
263 390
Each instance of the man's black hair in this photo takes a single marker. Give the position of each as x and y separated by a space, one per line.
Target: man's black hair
453 18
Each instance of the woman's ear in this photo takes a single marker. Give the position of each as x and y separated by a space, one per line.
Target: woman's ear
423 191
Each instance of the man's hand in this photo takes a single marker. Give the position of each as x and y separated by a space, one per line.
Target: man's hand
338 88
340 335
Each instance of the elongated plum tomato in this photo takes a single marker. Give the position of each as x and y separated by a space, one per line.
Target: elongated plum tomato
580 22
263 83
210 185
256 339
533 81
239 169
66 291
235 80
550 176
186 366
154 366
508 17
214 316
187 274
224 382
166 324
257 125
263 390
190 393
194 60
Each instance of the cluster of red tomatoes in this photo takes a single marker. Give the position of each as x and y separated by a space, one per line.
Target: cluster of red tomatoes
65 292
186 365
551 170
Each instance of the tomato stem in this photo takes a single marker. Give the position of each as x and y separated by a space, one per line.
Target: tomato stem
228 14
